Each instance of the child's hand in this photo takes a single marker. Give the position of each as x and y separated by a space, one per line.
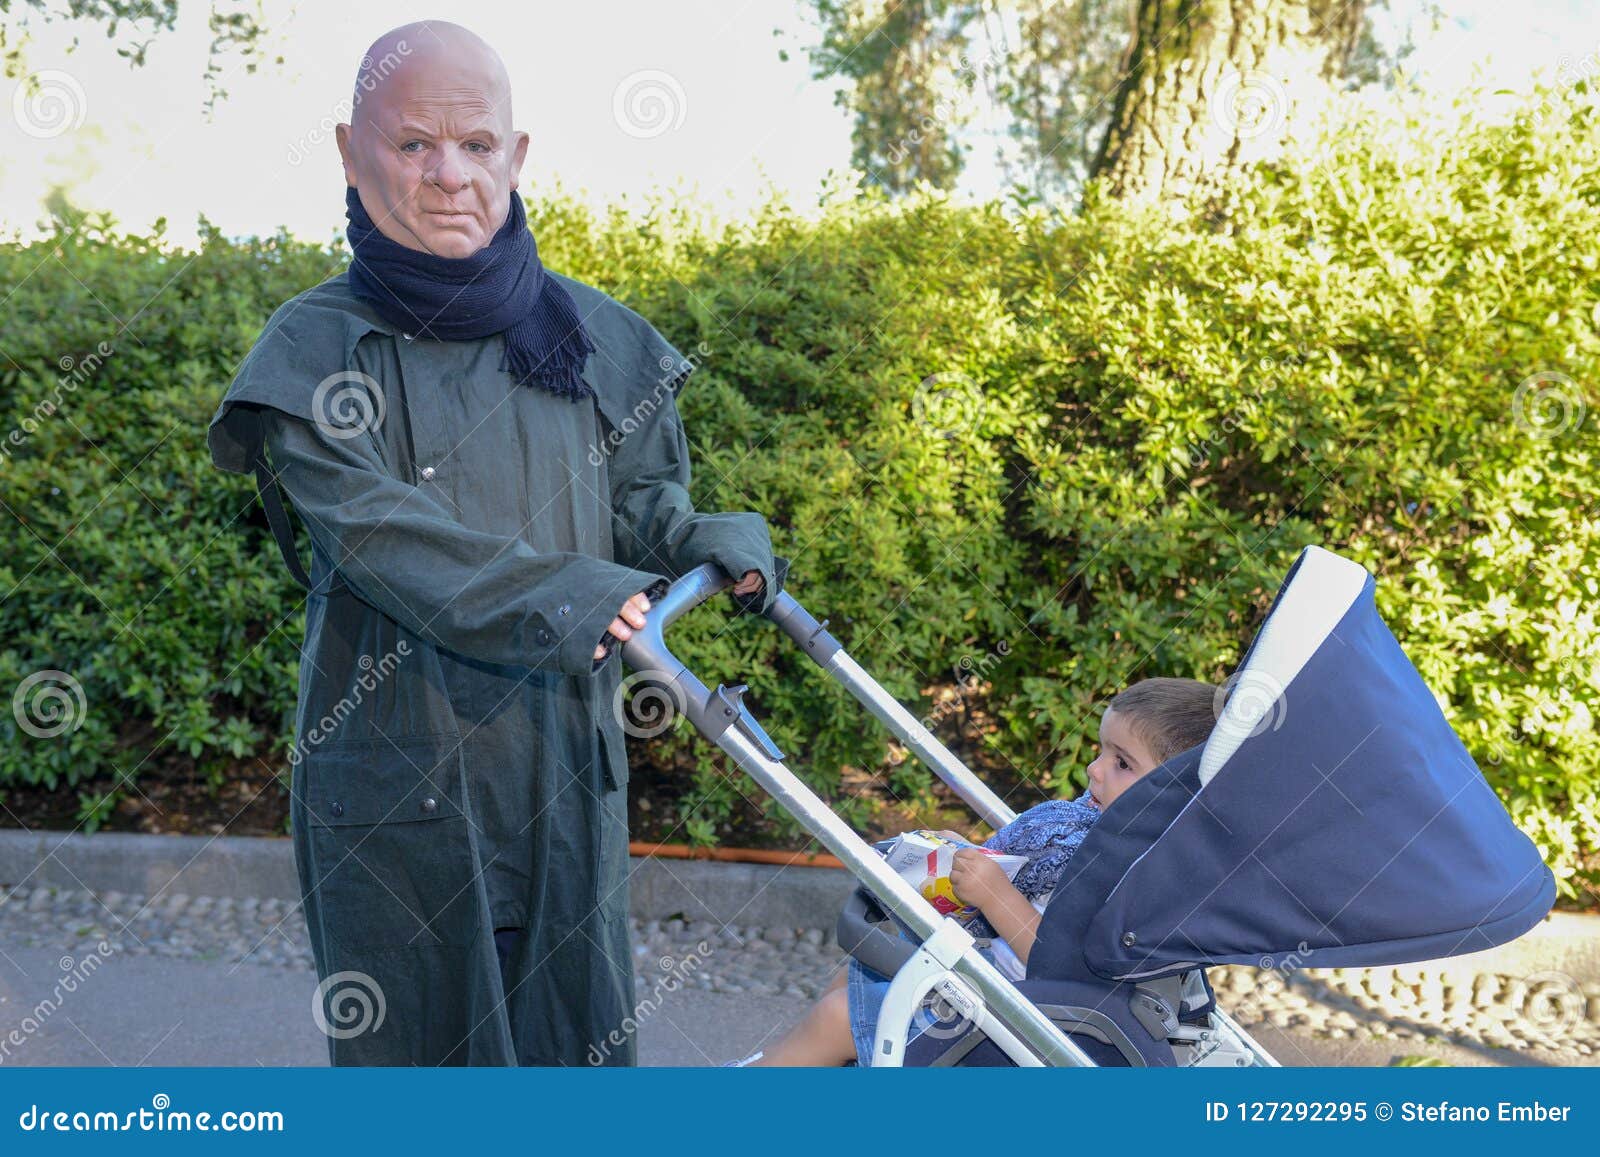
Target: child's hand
976 878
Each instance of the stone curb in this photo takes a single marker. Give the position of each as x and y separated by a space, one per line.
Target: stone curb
723 893
240 867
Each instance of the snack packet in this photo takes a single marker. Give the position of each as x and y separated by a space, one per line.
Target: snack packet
923 858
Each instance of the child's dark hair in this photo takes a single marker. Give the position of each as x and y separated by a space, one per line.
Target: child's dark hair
1170 715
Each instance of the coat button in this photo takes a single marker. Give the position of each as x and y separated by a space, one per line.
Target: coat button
406 336
337 808
542 637
565 609
1129 940
427 473
430 804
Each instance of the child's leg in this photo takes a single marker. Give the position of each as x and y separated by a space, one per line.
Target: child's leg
823 1037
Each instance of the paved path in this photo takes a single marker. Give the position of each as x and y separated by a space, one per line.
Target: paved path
106 978
153 1011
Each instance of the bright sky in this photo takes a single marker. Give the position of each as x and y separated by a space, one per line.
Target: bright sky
737 120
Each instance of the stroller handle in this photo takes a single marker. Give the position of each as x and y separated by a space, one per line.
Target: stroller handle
647 651
722 717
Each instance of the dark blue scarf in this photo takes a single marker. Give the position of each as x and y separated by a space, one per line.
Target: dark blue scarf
503 287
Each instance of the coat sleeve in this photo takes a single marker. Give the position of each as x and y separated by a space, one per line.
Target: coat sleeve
655 525
486 596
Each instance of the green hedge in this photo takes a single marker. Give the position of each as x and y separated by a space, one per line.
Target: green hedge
1044 452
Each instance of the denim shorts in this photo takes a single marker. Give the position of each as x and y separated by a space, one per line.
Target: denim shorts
867 988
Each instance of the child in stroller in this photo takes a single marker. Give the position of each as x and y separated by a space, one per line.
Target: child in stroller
1142 727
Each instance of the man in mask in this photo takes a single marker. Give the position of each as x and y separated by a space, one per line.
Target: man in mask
489 462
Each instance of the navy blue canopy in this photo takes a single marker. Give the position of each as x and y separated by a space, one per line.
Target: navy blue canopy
1332 815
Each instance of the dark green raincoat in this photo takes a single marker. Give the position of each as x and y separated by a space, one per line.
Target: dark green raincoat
458 765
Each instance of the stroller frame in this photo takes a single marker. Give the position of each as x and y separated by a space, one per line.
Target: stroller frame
946 959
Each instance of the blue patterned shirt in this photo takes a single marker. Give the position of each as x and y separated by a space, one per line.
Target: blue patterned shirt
1048 834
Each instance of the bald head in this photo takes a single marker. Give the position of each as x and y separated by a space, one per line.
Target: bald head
430 147
433 46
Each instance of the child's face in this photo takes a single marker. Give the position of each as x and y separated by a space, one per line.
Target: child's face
1122 760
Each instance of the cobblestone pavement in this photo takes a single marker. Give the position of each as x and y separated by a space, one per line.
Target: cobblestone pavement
1550 1016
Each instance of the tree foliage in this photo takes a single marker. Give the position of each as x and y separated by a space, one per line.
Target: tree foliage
1064 450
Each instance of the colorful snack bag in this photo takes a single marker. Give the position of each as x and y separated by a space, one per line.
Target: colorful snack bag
923 858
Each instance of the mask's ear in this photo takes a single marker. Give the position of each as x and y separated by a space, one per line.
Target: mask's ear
519 153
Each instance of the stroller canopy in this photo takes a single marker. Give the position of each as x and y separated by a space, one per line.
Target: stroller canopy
1333 814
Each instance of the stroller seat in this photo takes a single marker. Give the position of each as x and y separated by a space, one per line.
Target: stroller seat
1235 850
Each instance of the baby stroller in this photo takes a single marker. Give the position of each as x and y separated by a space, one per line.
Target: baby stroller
1332 817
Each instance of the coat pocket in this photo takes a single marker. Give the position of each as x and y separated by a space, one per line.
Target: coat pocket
613 756
611 893
391 847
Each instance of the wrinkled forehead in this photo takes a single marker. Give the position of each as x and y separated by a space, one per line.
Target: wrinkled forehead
458 86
